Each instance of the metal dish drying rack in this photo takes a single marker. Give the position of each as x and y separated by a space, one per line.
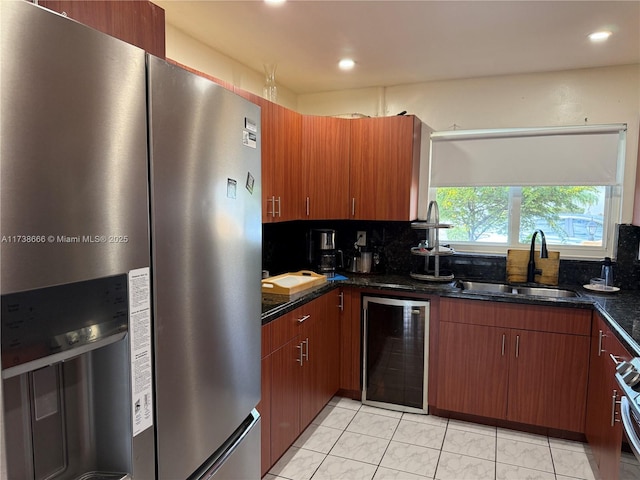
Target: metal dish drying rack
430 248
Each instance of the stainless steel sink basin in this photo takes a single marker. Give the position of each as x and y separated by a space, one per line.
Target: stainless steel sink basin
486 287
546 292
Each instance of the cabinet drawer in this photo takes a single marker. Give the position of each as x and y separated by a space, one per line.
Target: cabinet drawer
575 321
288 326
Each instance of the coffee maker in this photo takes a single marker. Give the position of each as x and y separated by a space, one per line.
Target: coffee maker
321 251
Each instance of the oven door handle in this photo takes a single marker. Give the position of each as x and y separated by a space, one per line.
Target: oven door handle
630 431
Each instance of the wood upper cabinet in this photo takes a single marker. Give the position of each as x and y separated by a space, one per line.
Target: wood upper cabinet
138 22
281 164
522 363
384 168
603 428
325 167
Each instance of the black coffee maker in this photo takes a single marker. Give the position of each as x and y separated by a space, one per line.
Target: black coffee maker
321 251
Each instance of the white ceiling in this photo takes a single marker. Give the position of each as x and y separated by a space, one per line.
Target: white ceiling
397 42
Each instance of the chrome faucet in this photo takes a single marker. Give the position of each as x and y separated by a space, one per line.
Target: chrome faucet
531 266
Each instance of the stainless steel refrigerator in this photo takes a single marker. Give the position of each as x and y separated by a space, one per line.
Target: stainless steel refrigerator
206 237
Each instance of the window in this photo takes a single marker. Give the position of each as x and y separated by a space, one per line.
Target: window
496 188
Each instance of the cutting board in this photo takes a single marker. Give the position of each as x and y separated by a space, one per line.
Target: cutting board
517 261
294 282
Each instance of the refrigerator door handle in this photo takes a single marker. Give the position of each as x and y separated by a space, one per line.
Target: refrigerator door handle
217 460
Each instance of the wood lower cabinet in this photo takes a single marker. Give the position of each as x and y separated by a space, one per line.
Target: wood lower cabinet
325 167
350 342
304 371
286 389
521 363
603 428
384 168
548 375
472 371
138 22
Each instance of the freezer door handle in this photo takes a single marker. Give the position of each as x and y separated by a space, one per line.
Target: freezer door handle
217 460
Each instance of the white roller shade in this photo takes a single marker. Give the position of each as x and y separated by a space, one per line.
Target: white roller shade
585 155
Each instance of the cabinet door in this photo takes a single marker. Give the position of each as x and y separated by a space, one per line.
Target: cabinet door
350 335
473 369
548 379
264 408
325 160
137 22
603 428
384 166
286 377
281 164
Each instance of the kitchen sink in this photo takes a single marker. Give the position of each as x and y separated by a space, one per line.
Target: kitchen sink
486 287
547 292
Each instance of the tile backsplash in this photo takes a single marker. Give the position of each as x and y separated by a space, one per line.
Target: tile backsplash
285 249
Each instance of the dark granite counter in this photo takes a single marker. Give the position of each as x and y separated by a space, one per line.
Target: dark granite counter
621 309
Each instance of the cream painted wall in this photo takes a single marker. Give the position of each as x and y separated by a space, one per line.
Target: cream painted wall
189 51
599 95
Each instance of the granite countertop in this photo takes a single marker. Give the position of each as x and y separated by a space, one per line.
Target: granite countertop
620 309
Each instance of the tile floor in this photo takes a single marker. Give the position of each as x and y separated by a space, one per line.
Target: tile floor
351 441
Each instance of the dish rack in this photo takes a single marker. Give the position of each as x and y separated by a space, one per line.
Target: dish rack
430 250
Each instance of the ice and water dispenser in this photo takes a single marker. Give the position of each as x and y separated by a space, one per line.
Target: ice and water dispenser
67 381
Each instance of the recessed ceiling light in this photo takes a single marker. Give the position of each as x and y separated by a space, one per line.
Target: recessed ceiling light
600 36
346 64
274 2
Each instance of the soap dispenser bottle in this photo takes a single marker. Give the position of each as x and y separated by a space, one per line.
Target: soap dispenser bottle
607 272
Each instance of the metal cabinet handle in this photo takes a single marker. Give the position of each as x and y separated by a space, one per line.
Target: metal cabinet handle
504 338
601 335
341 304
517 345
299 359
353 207
306 349
307 206
271 200
614 402
279 207
302 319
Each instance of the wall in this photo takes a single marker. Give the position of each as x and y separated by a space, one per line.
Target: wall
189 51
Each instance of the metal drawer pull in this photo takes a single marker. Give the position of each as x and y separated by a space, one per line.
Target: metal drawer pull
614 402
353 207
302 319
307 206
517 345
504 337
341 304
306 349
279 207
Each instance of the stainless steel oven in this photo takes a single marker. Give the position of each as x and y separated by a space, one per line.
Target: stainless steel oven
628 378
